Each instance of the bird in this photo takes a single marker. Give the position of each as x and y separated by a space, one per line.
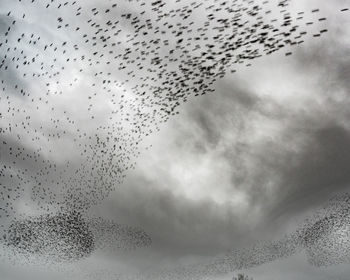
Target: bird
95 82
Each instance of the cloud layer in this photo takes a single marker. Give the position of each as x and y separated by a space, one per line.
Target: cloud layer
243 164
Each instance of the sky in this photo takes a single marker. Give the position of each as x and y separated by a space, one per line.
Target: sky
238 170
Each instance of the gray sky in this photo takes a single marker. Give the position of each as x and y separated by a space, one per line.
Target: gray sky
244 164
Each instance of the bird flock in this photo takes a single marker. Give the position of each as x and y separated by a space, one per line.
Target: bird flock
84 83
66 237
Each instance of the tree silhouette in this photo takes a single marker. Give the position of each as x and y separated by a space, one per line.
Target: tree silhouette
241 277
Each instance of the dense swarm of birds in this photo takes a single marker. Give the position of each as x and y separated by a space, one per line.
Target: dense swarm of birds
67 237
325 236
64 237
84 83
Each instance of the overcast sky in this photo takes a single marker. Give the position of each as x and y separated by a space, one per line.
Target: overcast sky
244 164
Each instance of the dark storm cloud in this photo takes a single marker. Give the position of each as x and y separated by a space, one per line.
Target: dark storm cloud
210 114
323 165
317 160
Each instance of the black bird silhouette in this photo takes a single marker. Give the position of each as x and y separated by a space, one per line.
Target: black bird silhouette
83 88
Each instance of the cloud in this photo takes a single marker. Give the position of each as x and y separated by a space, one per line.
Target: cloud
241 164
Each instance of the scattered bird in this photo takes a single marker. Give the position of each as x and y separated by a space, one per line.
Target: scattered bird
140 61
